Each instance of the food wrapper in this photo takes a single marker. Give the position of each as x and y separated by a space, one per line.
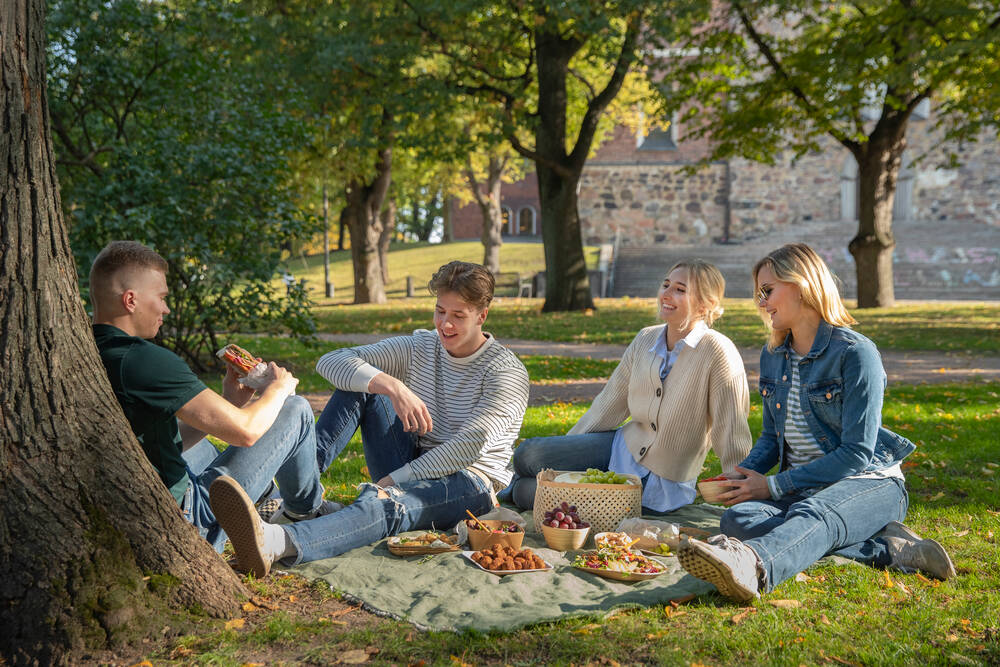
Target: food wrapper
497 514
651 533
257 376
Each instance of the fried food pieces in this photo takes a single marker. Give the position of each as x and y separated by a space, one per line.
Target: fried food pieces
503 557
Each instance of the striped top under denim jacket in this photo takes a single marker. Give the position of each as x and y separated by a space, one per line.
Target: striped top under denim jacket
842 383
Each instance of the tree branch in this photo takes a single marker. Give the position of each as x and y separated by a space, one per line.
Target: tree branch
588 126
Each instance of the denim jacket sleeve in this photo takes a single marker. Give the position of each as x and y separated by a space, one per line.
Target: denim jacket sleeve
765 453
860 419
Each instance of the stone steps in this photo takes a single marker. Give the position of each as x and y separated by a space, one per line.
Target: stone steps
933 260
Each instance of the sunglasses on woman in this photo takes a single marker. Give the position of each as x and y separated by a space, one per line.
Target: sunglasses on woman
764 293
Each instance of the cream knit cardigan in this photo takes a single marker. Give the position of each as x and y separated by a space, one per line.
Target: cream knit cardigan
703 403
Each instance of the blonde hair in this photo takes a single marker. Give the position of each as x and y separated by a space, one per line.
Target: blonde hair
706 286
799 264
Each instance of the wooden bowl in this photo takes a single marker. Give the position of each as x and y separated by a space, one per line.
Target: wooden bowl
710 490
565 539
480 539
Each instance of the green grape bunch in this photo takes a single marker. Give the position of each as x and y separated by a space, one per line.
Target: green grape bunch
595 476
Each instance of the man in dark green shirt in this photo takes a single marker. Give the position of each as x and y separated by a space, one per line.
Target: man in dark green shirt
171 410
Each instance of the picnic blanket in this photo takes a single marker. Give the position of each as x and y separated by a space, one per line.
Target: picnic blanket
448 592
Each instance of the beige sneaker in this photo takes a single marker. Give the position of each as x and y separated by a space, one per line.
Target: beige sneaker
237 515
911 552
725 562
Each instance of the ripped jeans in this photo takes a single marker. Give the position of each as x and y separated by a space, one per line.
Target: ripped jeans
420 504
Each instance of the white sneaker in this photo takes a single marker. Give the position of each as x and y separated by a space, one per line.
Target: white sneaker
725 562
284 516
911 552
237 516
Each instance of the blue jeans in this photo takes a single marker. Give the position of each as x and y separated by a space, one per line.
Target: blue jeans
420 504
285 453
794 532
560 452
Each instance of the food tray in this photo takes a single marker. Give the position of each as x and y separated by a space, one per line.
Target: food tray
500 573
623 576
417 549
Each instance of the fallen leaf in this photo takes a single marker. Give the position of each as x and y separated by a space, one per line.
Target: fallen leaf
888 580
803 577
252 664
824 620
993 465
459 662
937 496
961 533
144 663
341 612
785 604
249 606
742 616
235 624
180 652
987 471
681 600
656 635
355 656
418 663
586 630
261 602
951 637
834 658
291 598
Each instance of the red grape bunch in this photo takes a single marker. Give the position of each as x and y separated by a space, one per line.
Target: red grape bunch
564 516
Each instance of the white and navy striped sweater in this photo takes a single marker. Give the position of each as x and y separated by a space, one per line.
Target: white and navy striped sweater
476 403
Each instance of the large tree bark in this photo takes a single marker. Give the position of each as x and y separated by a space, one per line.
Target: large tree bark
879 162
489 206
93 549
364 204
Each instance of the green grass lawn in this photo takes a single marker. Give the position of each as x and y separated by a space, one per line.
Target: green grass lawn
943 326
420 260
836 614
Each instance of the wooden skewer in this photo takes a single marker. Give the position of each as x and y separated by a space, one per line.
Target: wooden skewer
481 524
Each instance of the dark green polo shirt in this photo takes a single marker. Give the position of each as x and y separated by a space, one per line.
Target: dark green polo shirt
151 383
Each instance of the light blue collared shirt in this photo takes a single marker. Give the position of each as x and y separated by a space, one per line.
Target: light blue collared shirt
659 494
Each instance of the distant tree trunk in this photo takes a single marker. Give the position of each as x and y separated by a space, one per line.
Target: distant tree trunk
447 234
385 237
343 225
364 204
94 550
879 162
489 206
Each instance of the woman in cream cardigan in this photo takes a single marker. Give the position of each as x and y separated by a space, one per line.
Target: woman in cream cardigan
683 386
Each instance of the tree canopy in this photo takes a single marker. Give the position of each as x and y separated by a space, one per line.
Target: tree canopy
167 134
766 78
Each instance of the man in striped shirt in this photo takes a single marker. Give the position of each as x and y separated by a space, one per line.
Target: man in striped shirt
438 412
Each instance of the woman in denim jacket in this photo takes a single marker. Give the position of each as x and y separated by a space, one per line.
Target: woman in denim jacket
839 487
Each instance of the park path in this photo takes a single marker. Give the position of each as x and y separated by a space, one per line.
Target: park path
900 367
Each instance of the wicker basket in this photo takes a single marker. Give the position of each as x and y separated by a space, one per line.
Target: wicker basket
600 505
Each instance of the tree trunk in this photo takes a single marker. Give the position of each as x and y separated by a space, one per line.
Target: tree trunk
343 225
447 234
566 284
388 219
93 549
879 162
364 204
489 206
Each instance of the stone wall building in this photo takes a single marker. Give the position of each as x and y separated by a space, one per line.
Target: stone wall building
635 190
